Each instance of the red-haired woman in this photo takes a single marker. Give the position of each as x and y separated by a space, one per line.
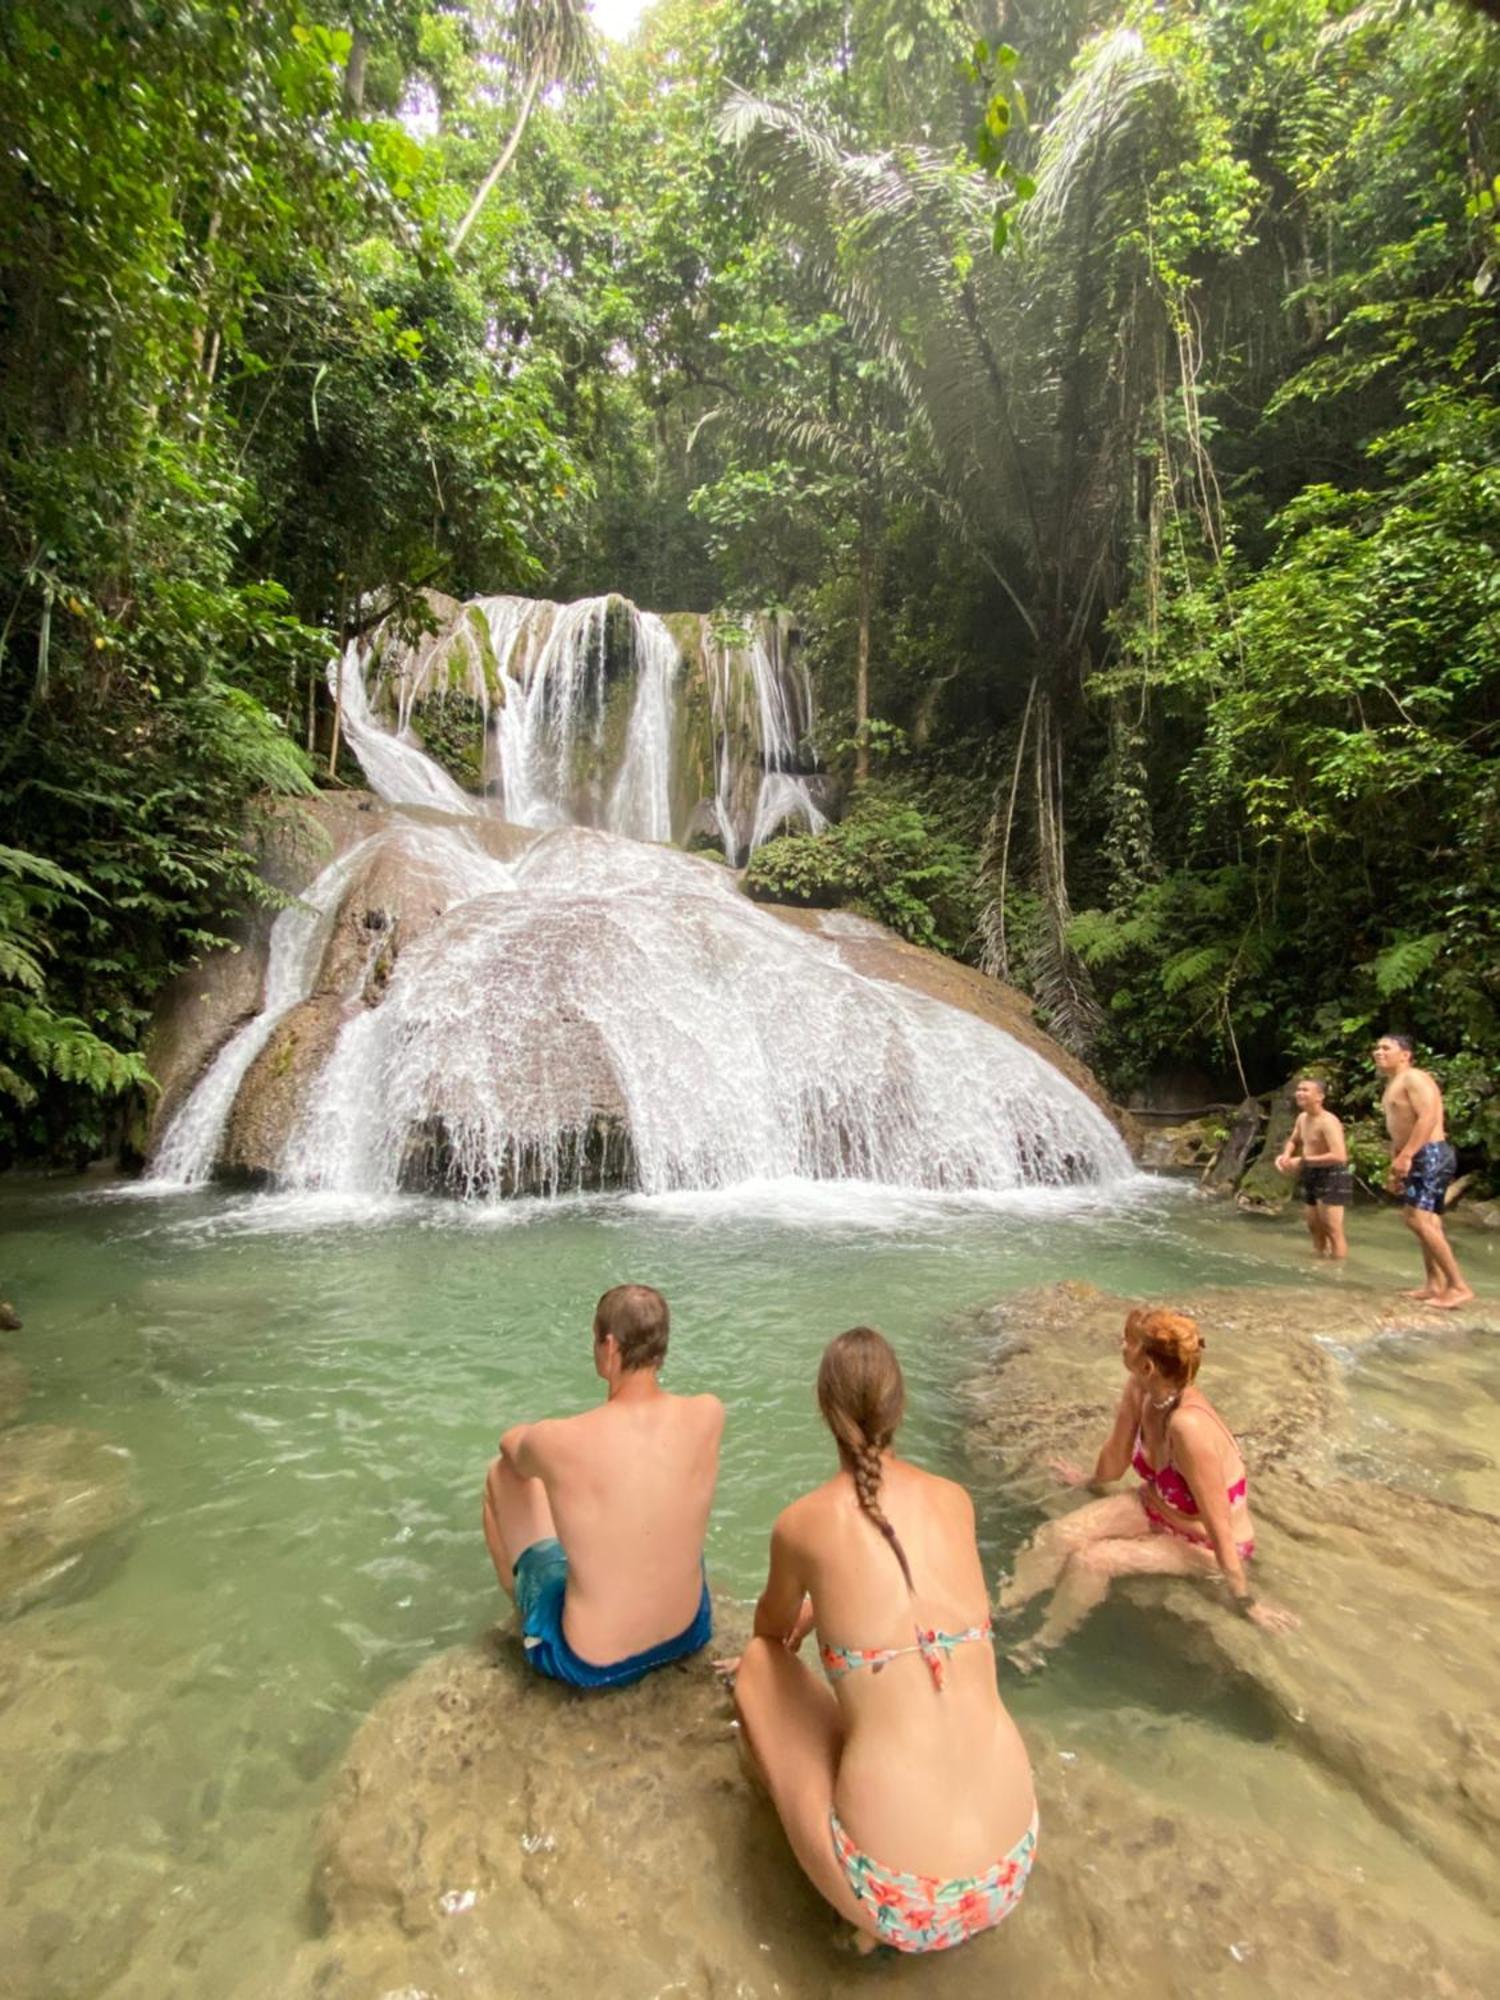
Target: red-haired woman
903 1785
1190 1515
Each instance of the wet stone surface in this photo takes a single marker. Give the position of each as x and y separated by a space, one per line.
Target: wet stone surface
492 1835
1390 1683
14 1385
67 1505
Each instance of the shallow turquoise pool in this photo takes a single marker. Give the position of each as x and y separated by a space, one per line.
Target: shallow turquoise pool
310 1390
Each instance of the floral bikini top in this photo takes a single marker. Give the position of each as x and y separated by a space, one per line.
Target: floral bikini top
933 1646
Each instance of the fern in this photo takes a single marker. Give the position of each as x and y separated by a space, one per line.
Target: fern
1193 967
1398 968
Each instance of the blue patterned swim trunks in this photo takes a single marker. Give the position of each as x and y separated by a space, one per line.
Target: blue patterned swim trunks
1432 1168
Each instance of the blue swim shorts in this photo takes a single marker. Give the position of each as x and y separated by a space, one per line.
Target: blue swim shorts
541 1587
1432 1168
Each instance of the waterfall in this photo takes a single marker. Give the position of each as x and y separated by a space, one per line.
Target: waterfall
762 712
395 765
189 1148
624 1014
598 1008
640 806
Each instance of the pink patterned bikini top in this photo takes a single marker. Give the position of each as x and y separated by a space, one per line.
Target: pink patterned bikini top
1171 1488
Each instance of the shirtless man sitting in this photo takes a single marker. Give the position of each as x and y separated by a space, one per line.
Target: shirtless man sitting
1422 1165
1317 1150
596 1523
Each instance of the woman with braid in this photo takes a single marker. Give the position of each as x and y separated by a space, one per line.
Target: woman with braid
903 1785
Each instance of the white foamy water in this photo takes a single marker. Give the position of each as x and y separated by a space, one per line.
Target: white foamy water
190 1146
762 711
606 1011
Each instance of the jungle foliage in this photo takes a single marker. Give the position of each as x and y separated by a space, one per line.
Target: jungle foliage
1108 388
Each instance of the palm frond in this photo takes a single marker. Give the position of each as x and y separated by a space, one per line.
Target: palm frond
880 232
1101 125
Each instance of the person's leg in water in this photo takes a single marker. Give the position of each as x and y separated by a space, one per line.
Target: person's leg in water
1042 1561
1445 1286
1331 1220
1093 1568
793 1734
516 1514
1313 1214
1432 1277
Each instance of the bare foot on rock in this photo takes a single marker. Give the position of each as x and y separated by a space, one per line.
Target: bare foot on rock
1450 1301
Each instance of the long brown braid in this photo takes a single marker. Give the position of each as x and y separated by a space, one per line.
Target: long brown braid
862 1396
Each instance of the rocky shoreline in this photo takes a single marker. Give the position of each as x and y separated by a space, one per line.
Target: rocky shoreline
490 1834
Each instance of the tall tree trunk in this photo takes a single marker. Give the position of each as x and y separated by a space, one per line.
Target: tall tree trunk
354 74
862 667
528 100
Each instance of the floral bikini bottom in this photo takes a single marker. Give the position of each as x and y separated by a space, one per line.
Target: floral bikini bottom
924 1913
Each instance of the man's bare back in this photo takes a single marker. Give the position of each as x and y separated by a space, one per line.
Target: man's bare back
596 1523
630 1486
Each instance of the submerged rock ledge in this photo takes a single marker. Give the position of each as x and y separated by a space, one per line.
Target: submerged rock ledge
491 1836
1392 1683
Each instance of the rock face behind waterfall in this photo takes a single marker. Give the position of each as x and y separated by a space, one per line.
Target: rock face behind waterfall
592 1014
559 999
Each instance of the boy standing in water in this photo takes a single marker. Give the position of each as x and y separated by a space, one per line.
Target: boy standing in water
1422 1165
1318 1151
596 1523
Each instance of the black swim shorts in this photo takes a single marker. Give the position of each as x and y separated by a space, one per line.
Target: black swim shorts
1427 1178
1333 1187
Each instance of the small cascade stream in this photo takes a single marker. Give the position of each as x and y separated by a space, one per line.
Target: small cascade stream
534 993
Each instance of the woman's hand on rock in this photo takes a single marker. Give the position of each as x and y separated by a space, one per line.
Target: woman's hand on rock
1272 1617
1069 1472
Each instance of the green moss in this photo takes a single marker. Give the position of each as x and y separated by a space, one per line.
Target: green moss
451 727
479 632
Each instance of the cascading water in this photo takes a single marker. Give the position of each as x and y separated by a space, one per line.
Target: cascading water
758 702
594 1010
189 1148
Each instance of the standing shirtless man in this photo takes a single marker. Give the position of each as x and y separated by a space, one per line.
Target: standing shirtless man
1317 1150
1422 1165
596 1523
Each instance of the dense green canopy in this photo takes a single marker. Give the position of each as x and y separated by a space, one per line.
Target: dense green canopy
1109 388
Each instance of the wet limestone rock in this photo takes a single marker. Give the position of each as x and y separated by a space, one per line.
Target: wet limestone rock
877 952
276 1089
1181 1149
1242 1140
1057 1378
67 1500
72 1925
13 1388
494 1837
199 1009
1391 1682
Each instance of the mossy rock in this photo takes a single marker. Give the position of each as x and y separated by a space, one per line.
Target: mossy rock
1260 1185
